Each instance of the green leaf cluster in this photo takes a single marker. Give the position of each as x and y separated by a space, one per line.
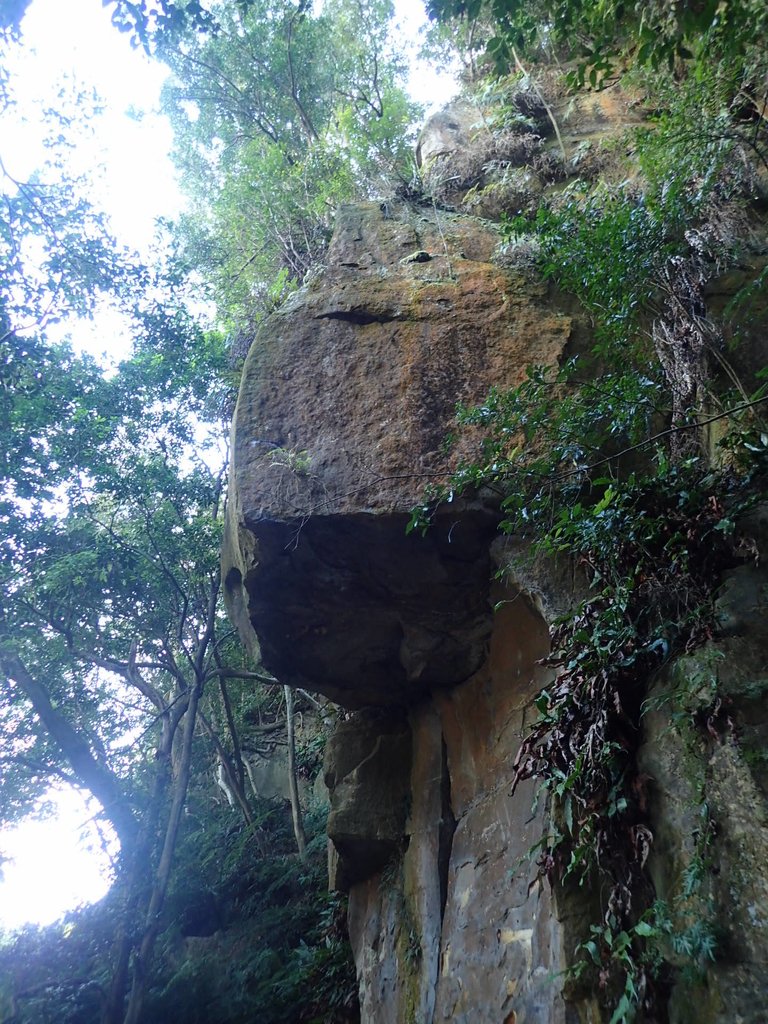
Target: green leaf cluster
580 459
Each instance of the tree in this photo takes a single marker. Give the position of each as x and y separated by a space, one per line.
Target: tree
115 655
113 642
116 579
280 115
298 824
11 14
109 615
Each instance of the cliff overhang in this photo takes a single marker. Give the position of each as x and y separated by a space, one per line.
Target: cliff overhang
348 397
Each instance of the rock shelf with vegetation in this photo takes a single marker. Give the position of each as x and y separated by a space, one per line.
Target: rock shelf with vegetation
493 549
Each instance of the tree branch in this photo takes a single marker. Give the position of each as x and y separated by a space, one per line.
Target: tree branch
94 775
236 673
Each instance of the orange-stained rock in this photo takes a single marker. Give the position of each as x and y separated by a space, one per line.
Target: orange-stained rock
501 940
350 389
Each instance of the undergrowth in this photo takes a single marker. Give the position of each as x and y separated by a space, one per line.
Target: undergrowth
253 934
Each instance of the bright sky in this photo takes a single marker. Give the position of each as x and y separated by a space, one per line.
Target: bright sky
126 149
131 140
53 865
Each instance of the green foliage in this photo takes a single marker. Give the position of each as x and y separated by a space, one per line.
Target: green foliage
109 581
608 245
605 245
108 554
281 115
545 434
309 756
253 934
58 256
279 948
578 460
655 34
653 545
114 650
57 973
681 931
111 498
164 21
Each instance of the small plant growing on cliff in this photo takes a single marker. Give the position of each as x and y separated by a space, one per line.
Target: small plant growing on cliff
652 544
298 461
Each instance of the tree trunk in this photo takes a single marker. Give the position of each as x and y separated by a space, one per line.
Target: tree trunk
137 873
160 887
231 776
298 824
94 775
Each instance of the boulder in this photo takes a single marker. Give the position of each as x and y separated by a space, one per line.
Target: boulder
347 398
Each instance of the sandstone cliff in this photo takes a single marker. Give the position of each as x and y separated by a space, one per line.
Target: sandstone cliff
347 395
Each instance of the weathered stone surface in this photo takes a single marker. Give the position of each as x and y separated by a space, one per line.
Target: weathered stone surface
551 135
395 917
448 131
363 368
362 578
367 768
264 750
500 941
348 394
453 933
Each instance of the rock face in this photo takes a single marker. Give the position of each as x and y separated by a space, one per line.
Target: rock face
710 799
347 398
348 394
367 756
449 932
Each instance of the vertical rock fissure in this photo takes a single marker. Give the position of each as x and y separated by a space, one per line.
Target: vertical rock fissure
446 831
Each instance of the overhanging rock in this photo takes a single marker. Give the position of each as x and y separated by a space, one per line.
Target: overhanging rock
348 395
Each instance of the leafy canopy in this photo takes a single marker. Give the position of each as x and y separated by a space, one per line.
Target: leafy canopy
280 115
